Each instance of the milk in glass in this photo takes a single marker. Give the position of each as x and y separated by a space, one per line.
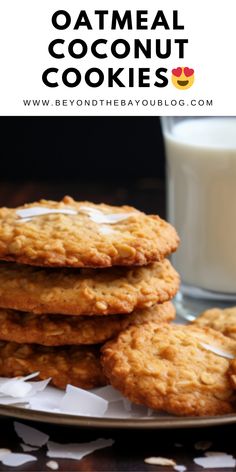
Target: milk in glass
201 164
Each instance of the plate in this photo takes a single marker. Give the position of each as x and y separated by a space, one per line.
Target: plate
162 422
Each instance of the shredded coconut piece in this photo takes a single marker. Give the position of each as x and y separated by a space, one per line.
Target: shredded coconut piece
98 216
27 448
19 387
180 468
14 459
30 436
76 451
30 376
217 351
29 213
159 461
52 465
81 402
16 388
108 393
106 230
215 461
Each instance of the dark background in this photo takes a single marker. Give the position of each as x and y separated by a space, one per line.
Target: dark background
55 148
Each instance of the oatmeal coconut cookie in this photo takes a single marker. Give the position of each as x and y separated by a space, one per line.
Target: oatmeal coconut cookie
182 370
78 366
86 291
223 320
58 330
83 234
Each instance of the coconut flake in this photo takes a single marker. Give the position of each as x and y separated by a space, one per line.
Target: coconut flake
215 461
180 468
47 400
38 387
14 459
30 376
29 213
82 402
31 436
15 388
27 448
19 388
217 351
98 216
159 461
76 451
116 410
108 393
52 465
105 230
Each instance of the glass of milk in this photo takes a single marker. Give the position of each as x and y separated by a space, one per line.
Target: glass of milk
201 202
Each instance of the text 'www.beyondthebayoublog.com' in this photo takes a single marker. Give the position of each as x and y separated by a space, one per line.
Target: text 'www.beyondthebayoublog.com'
158 103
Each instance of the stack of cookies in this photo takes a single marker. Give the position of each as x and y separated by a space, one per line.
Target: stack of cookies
72 276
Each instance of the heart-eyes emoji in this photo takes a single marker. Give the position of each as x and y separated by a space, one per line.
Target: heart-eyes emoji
182 78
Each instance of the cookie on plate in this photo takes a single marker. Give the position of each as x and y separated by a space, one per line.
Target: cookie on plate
223 320
59 330
182 370
83 234
86 291
79 366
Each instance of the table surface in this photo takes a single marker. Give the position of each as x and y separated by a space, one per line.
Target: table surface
130 447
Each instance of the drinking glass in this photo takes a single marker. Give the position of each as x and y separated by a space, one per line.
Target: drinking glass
201 204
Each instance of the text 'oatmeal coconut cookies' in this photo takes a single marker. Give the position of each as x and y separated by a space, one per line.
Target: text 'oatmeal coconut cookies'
74 275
